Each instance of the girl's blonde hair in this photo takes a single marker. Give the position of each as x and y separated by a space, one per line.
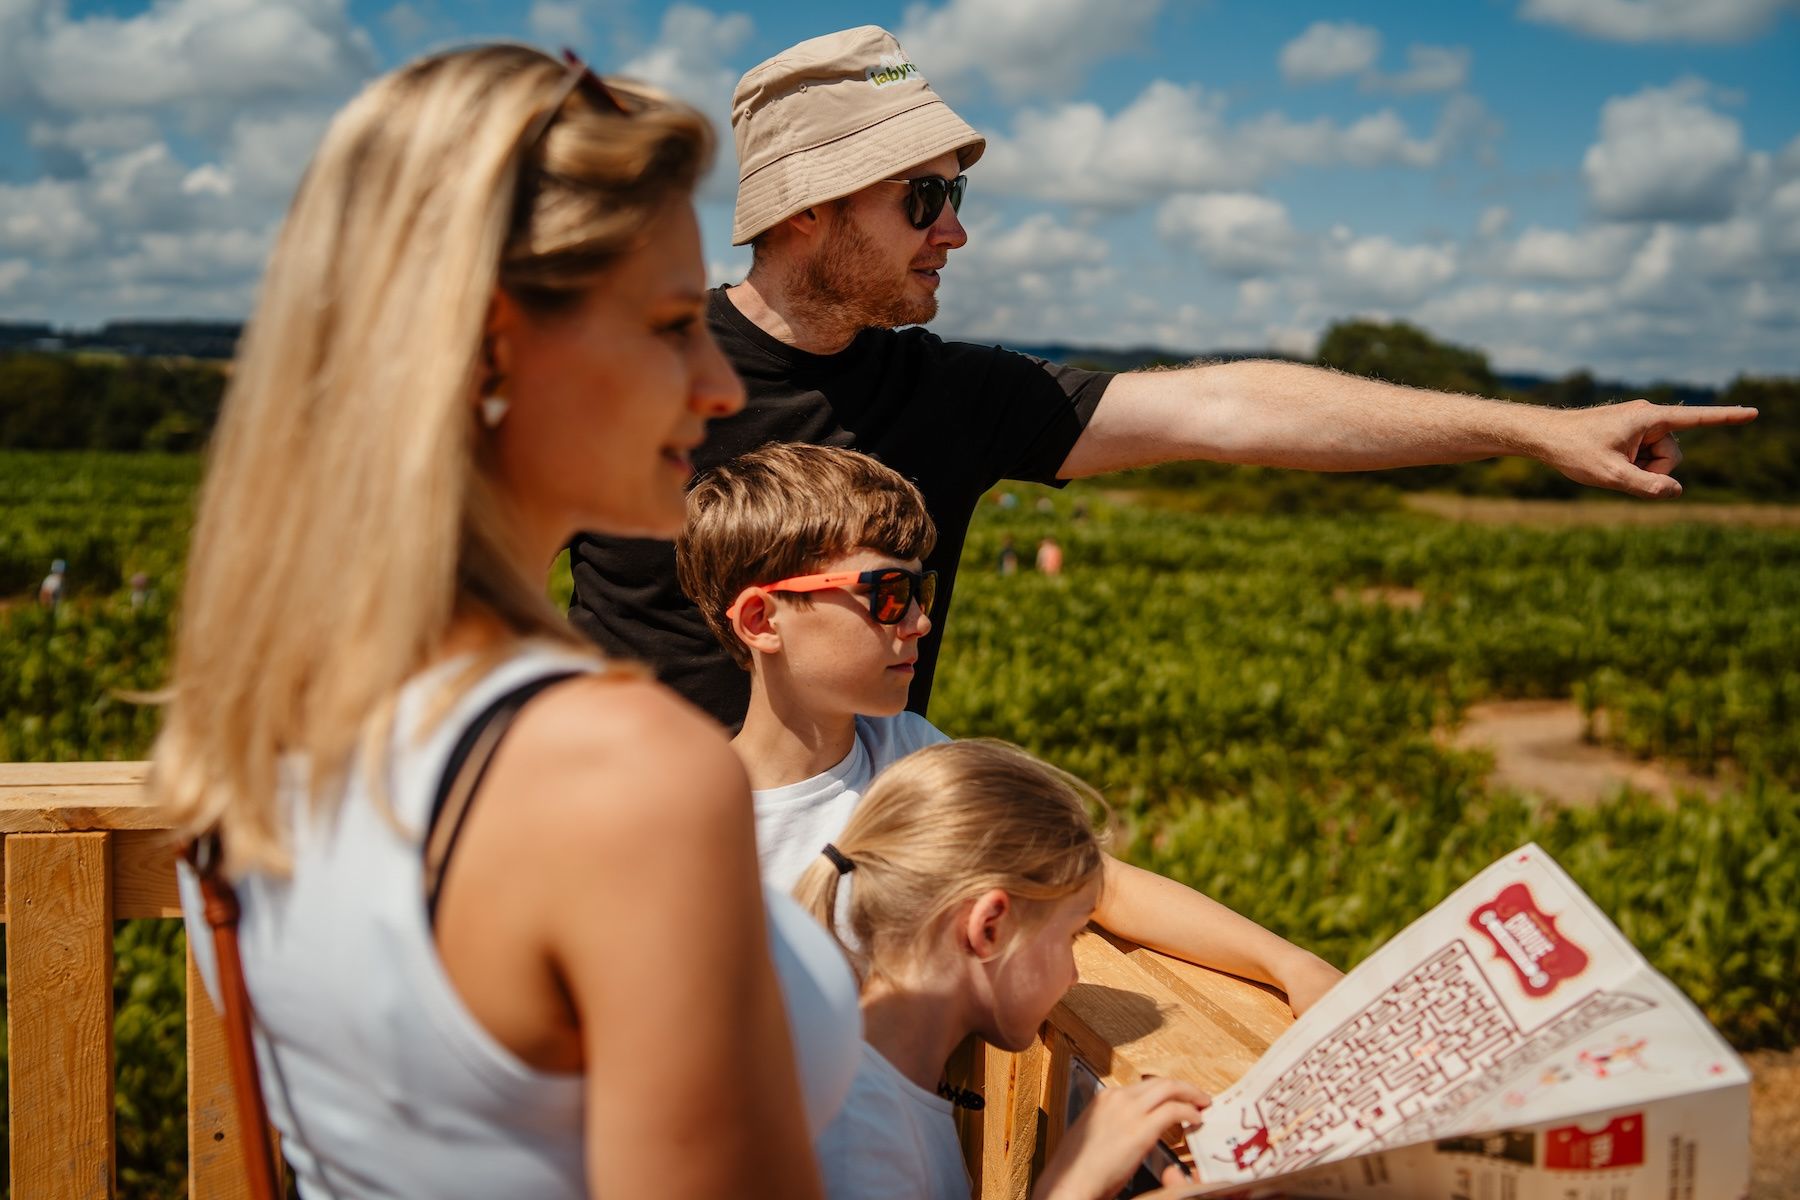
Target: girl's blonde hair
347 514
942 826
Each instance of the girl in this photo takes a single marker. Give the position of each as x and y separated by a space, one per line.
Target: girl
970 869
482 330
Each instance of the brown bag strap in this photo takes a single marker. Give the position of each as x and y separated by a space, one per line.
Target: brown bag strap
221 906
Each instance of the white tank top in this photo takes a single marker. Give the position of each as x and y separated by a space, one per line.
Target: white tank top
380 1080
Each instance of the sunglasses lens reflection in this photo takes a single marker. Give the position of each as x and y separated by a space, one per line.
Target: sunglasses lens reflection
925 202
890 598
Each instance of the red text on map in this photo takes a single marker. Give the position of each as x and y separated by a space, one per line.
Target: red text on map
1525 937
1620 1144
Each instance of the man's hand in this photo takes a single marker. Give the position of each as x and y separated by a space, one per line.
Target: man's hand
1100 1152
1630 447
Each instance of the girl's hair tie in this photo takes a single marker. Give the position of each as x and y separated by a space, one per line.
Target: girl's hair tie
838 858
961 1097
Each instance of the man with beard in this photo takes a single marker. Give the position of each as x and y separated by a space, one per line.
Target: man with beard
850 173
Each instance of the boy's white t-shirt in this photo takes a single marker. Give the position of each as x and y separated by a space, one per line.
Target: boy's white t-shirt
794 822
892 1140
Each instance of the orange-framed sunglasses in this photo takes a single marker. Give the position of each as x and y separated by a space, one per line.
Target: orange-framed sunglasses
891 590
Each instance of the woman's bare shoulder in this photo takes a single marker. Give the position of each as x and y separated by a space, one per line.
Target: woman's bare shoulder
604 736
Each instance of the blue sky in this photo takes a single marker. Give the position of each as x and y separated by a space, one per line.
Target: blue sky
1610 184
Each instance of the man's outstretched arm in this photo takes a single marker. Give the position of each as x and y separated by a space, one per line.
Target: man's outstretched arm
1278 414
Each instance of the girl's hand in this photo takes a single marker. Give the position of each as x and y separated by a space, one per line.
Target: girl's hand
1100 1152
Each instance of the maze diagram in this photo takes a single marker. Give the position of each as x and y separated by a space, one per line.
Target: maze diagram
1385 1067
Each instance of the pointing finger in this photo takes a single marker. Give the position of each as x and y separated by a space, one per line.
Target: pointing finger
1669 416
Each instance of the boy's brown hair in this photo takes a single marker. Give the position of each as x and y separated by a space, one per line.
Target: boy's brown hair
783 510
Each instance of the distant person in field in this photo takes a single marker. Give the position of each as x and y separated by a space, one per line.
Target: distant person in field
50 592
808 563
140 589
851 172
1008 563
1049 557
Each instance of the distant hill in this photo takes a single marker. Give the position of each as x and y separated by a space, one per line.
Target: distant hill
136 339
1112 358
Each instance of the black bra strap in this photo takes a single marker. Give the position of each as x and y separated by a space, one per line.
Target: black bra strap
463 774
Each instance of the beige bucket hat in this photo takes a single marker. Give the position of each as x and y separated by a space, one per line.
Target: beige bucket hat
830 117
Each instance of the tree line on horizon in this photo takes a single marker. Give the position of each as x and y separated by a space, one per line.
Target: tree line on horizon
52 400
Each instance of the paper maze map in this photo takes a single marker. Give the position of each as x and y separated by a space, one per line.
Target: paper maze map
1509 1045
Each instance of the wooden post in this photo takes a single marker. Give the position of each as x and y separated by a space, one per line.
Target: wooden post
215 1149
59 968
967 1069
1014 1122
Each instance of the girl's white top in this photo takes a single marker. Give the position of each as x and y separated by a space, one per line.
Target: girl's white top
380 1081
893 1140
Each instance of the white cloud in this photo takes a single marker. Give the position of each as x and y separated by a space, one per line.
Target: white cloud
1236 233
207 180
200 255
12 272
1038 243
45 219
1660 20
1494 221
1330 51
1380 270
558 21
266 155
1664 154
722 271
113 131
1601 252
407 23
692 58
1037 281
1176 139
1428 69
185 52
1022 47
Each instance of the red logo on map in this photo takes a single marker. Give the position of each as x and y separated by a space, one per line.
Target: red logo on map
1525 937
1620 1144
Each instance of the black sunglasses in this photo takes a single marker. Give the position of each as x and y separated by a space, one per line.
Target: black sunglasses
579 76
927 195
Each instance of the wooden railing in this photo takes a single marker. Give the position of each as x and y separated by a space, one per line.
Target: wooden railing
1133 1013
83 849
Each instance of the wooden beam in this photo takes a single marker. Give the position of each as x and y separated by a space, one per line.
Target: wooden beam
143 874
59 966
76 807
64 773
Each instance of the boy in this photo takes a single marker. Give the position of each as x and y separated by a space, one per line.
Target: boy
806 562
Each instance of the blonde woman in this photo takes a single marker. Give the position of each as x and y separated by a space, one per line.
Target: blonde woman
481 330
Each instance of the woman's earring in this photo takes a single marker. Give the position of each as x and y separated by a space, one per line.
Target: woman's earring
493 410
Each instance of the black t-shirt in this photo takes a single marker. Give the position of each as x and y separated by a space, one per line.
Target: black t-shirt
954 418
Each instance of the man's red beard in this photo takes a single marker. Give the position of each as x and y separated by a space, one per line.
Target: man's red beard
849 285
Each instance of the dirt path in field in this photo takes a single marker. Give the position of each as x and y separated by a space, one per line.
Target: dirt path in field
1491 511
1537 747
1775 1125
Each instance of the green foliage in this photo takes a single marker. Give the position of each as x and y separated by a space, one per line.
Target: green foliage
1402 353
84 402
1258 694
1258 698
